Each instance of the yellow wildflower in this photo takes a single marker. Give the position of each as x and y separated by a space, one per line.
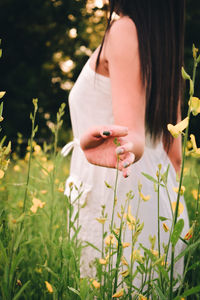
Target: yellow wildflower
49 287
110 240
102 261
20 204
101 220
165 227
1 174
124 261
118 294
189 234
154 252
56 181
38 270
37 149
195 150
61 188
193 142
180 208
44 159
194 51
137 256
195 194
27 156
125 273
19 283
195 105
130 219
43 192
160 261
144 198
50 168
141 297
96 284
16 168
125 245
175 130
36 204
181 191
2 93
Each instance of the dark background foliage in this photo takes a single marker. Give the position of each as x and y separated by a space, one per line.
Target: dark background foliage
37 39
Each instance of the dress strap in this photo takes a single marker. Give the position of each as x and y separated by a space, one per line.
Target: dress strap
69 146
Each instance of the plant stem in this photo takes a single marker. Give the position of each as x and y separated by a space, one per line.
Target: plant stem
29 162
180 183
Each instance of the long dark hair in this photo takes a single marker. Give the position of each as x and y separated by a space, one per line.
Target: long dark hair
160 29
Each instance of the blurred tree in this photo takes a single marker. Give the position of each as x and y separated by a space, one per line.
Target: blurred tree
45 44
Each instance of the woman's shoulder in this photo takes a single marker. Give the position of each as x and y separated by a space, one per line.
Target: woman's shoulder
122 37
123 25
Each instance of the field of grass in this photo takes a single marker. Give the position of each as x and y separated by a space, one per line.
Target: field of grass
40 248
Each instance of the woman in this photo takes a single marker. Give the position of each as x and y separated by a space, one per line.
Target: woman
130 88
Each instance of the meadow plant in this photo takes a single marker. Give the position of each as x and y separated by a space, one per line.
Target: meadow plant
40 249
115 275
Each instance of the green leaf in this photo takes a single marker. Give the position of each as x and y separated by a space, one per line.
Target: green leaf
177 232
186 250
1 109
164 176
192 291
8 149
159 292
108 185
198 59
2 141
84 289
150 177
74 291
185 75
91 245
21 290
163 219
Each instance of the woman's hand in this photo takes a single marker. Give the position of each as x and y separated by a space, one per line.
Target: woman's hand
99 147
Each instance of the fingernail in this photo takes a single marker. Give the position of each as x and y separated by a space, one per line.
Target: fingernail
125 164
107 133
127 173
120 151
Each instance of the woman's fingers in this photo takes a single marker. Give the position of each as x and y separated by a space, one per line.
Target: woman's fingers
95 134
128 147
113 131
128 159
126 172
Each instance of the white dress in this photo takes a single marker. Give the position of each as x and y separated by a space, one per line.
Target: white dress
90 104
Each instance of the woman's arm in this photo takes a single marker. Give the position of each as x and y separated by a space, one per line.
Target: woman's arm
128 100
128 92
